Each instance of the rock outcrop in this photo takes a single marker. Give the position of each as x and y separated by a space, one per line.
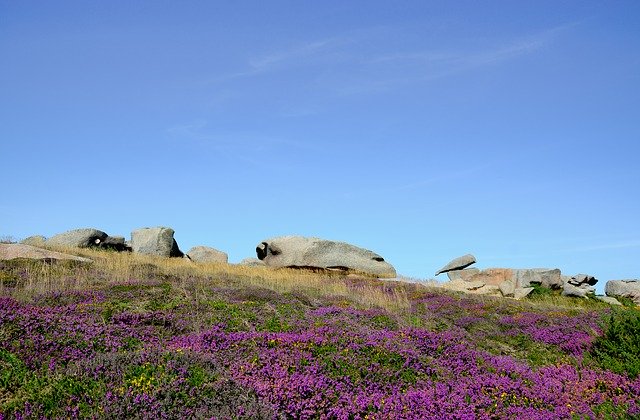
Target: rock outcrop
515 283
629 289
13 251
78 238
155 241
458 264
304 252
464 274
206 254
580 285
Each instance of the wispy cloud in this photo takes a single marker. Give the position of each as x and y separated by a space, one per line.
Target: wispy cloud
256 149
428 65
296 53
367 63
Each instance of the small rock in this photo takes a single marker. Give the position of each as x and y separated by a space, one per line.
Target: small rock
466 274
610 300
458 264
522 292
205 254
252 262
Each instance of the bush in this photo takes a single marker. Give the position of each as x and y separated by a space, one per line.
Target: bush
618 349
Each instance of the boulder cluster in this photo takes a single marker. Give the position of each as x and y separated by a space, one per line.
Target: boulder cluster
518 283
280 252
157 241
320 254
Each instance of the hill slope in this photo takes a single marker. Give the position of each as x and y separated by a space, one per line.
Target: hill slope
133 336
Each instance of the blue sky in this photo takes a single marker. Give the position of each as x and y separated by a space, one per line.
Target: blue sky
420 130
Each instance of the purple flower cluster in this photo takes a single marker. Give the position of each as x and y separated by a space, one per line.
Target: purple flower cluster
338 369
71 354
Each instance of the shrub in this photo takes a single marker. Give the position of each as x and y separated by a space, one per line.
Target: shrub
618 349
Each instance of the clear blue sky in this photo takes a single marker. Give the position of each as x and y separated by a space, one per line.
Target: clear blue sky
420 130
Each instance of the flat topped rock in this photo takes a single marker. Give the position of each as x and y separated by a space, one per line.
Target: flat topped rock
458 264
299 251
13 251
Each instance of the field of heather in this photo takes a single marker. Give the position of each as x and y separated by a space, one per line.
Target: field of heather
135 337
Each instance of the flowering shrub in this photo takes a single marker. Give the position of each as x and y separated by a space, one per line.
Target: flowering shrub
148 349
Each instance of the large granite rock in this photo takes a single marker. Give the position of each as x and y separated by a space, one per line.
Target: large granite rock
36 240
155 241
78 238
580 285
494 276
626 288
581 279
546 277
206 254
458 264
466 274
576 291
298 251
476 287
13 251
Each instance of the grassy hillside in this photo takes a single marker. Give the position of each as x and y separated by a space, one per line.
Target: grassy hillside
134 336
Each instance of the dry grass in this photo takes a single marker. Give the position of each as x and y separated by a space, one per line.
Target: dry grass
112 267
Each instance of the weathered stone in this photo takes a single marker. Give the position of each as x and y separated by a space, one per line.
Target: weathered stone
458 264
610 300
577 291
626 288
36 240
522 292
466 274
579 279
546 277
79 238
12 251
252 262
461 285
303 252
495 276
507 288
207 254
155 241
